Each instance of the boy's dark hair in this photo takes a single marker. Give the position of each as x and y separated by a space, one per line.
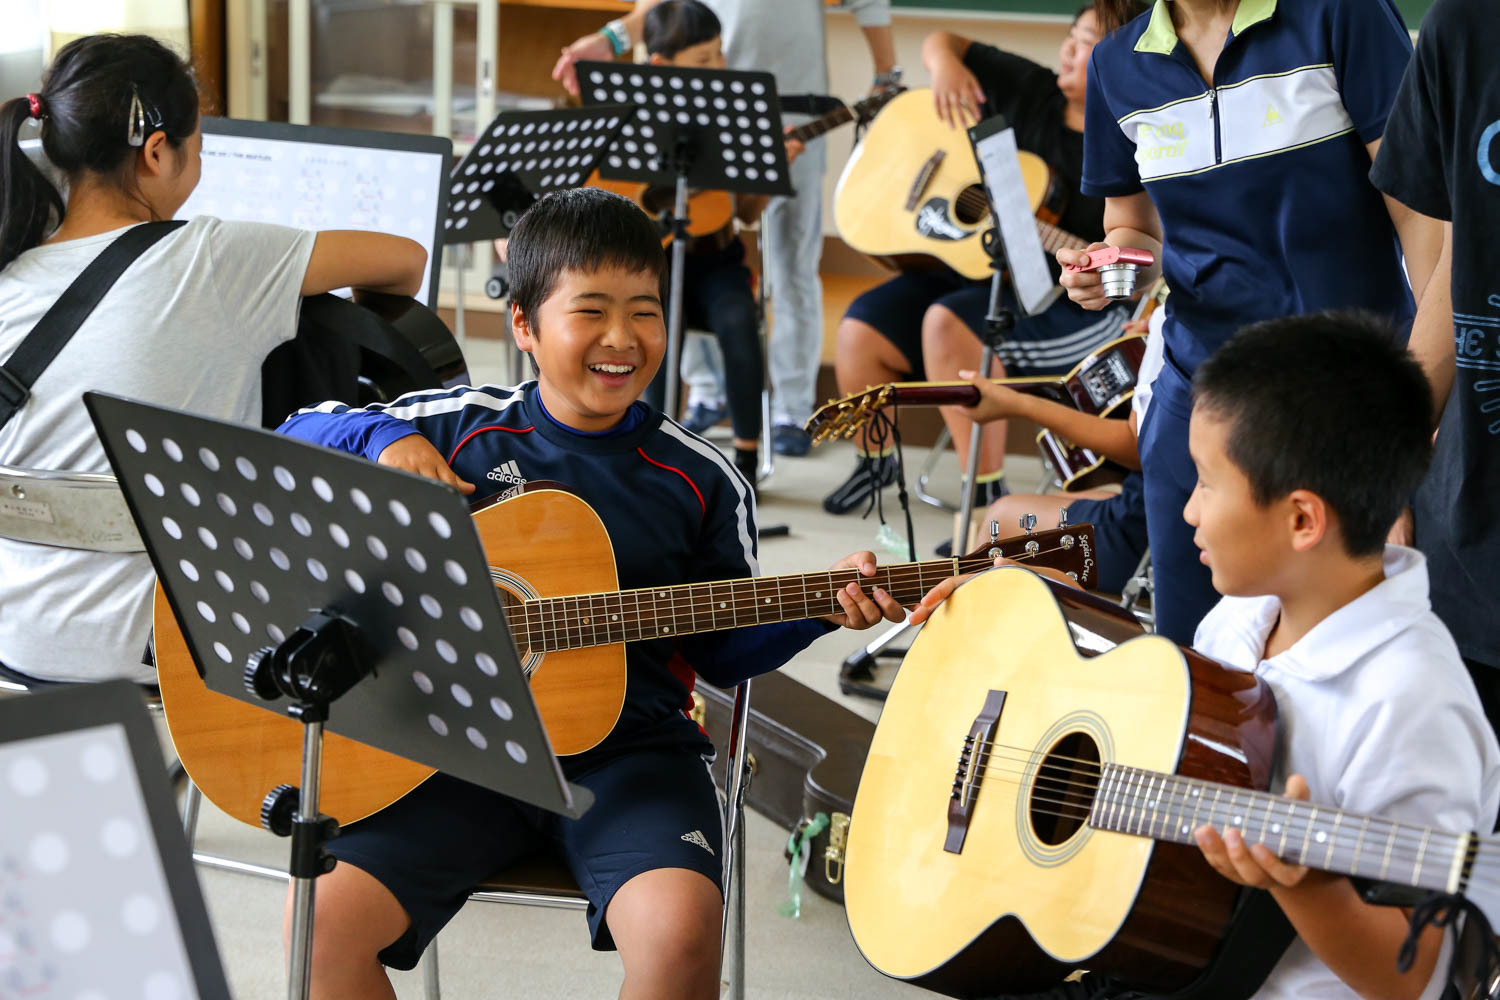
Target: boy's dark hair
579 229
1114 14
1330 403
674 25
85 109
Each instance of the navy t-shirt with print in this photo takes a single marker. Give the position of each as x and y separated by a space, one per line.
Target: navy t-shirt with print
675 509
1441 156
1260 179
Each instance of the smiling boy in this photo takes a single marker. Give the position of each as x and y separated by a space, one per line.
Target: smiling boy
586 271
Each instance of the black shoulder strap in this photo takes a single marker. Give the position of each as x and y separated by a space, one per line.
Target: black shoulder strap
53 331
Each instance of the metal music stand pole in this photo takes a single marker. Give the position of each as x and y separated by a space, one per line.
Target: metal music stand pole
682 163
998 322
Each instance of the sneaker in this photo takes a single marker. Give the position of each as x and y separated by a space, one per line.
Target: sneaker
701 416
789 439
869 475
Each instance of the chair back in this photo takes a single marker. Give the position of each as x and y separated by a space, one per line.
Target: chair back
73 510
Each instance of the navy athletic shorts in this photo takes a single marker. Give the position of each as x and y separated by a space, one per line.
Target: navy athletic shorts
1050 343
652 809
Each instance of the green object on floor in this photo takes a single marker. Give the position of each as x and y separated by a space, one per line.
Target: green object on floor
798 846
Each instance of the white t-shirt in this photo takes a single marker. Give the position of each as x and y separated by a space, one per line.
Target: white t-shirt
1378 713
786 37
187 326
1151 363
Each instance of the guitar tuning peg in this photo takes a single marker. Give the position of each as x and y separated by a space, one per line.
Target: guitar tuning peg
1028 523
1062 517
994 532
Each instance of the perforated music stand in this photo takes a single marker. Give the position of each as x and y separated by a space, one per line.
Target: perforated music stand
519 157
299 571
97 891
710 129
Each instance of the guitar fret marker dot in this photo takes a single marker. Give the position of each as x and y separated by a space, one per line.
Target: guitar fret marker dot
1275 827
1321 837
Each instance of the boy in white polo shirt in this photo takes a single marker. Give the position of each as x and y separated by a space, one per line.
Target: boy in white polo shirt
1309 435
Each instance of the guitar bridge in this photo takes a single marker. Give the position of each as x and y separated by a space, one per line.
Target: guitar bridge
969 775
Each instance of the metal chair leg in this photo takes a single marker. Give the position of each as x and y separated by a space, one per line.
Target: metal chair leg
190 804
431 988
924 474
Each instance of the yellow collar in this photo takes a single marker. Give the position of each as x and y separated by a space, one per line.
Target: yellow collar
1161 37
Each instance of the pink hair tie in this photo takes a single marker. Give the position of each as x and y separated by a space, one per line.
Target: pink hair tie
35 103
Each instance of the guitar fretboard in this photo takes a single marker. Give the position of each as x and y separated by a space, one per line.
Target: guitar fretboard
1169 808
556 623
817 127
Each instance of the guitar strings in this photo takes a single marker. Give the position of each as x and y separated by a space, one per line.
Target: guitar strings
1403 851
1407 843
900 575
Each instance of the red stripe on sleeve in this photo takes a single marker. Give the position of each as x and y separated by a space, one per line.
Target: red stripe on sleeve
703 507
470 436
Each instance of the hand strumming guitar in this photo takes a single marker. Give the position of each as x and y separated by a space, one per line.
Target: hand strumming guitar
414 453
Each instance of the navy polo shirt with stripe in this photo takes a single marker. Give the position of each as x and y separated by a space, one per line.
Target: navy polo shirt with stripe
1260 179
676 511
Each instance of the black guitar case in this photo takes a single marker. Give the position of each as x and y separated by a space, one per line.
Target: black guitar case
809 751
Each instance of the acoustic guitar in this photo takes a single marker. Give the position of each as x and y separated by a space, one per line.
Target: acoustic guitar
553 564
710 211
1028 804
911 193
1102 384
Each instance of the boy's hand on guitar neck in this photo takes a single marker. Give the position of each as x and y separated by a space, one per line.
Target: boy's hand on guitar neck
996 402
862 610
414 453
937 595
1255 865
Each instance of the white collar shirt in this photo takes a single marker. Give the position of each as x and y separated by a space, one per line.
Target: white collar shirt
1376 710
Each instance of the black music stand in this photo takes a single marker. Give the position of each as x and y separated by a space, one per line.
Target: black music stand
374 591
97 890
519 157
711 129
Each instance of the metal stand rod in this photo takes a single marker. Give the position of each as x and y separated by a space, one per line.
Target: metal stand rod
304 886
737 776
976 438
460 264
674 295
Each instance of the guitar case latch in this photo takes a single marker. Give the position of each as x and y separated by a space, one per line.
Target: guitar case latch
833 855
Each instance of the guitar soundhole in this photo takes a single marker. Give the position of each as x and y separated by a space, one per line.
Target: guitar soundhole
1063 791
972 205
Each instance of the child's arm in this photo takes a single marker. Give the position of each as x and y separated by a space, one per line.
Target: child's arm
1357 941
1114 439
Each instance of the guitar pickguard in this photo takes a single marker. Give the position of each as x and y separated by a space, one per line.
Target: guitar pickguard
936 223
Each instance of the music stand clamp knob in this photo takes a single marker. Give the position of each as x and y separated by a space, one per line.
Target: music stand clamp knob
259 682
279 809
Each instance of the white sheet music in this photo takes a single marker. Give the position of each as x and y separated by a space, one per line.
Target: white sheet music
1029 273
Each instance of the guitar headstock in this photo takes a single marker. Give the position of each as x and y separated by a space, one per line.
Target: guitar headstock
1069 550
840 418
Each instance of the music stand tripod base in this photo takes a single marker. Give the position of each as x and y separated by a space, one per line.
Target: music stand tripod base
310 574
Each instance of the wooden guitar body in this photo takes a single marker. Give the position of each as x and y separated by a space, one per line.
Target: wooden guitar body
912 189
1077 467
540 544
708 211
999 896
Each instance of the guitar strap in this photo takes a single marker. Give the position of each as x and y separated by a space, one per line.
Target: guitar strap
57 326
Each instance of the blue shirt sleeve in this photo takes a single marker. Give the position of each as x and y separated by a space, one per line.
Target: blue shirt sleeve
360 432
1371 48
1109 167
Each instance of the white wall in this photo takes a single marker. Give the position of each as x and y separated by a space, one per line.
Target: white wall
849 67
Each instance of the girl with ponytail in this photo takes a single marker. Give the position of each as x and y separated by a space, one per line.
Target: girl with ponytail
187 324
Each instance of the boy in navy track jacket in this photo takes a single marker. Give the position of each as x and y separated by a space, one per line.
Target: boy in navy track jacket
587 271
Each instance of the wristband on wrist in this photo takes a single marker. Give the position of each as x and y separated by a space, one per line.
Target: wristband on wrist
618 36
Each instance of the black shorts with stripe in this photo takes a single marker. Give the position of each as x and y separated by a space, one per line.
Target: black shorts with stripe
652 809
1049 343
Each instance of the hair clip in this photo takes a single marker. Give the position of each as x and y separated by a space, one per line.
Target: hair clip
144 119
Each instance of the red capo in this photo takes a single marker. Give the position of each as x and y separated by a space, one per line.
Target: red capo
1114 255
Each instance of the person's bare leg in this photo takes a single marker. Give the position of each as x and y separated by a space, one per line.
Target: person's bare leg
1009 510
948 347
355 917
666 924
864 358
